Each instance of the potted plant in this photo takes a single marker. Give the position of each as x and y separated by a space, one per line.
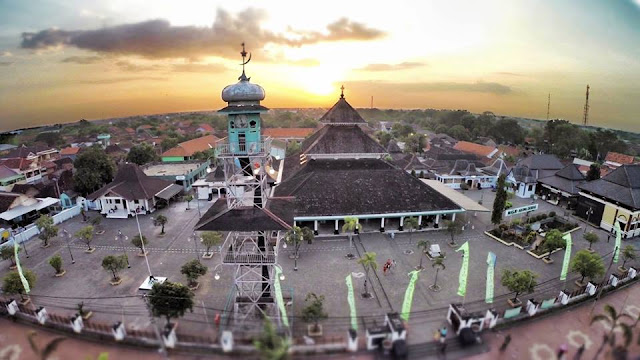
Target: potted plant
7 253
114 264
628 253
209 240
140 242
86 235
12 284
96 221
84 313
47 229
56 263
193 270
313 313
589 265
518 281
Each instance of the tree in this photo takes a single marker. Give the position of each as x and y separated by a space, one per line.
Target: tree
188 198
454 228
552 240
518 281
384 138
500 200
368 260
96 221
423 245
46 352
438 264
350 225
170 300
94 168
613 321
114 264
7 253
193 270
50 138
160 220
587 264
295 236
314 312
415 143
140 242
292 148
591 237
56 263
270 345
47 229
86 235
410 223
169 143
628 253
210 239
11 283
594 172
142 154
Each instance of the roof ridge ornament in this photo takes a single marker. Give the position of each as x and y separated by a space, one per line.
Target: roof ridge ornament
244 77
342 92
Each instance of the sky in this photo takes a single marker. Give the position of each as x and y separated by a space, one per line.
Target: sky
65 60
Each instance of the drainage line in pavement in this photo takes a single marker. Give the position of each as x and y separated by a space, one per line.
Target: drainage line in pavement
372 287
377 277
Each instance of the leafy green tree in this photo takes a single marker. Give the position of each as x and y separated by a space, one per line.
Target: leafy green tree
7 253
613 320
628 253
458 132
507 131
170 300
438 264
56 263
415 143
314 312
270 345
594 172
423 245
160 220
50 138
587 264
193 270
86 235
142 154
411 224
11 283
169 143
292 148
368 260
48 350
210 239
500 201
384 138
139 242
519 281
94 168
188 198
553 240
114 264
295 236
591 238
454 228
350 225
46 228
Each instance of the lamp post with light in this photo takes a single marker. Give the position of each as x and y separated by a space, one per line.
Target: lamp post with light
123 237
66 237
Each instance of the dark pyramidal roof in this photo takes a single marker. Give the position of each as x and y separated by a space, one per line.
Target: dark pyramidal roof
567 179
622 185
571 172
541 162
278 215
132 183
342 113
348 139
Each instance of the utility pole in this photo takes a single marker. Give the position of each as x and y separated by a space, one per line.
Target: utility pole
586 108
548 106
372 101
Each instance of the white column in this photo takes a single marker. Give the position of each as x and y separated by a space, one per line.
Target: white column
453 217
336 229
382 224
294 223
402 221
315 227
419 221
437 219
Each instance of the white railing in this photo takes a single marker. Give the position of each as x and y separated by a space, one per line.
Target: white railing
250 148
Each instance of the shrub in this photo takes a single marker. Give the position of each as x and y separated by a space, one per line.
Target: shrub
552 214
543 216
508 205
56 263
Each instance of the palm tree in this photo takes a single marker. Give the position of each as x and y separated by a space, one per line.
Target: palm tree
368 260
438 264
423 245
411 223
612 319
351 224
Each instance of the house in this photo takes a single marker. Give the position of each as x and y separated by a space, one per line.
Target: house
116 153
453 168
186 149
21 210
212 185
205 129
477 149
131 193
9 176
524 176
35 153
562 187
615 197
28 168
614 159
182 173
69 152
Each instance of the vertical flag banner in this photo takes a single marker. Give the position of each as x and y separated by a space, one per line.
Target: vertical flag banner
352 303
278 289
464 270
567 257
491 265
25 283
408 296
616 251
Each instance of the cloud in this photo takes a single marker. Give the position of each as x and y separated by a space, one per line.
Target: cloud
121 80
506 73
82 60
159 39
392 67
425 87
5 63
199 68
126 65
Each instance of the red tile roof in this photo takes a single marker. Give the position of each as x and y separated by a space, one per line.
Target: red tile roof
190 147
17 163
287 132
206 128
510 150
473 148
69 151
619 158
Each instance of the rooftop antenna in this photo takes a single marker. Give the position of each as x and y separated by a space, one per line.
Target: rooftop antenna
548 106
342 92
244 55
372 101
586 108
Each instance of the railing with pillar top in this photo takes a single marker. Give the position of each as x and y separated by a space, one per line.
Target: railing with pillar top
250 148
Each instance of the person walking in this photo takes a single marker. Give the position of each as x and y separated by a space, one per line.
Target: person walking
443 340
562 349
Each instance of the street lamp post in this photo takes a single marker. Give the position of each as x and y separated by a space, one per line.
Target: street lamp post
589 212
24 246
195 244
124 251
67 236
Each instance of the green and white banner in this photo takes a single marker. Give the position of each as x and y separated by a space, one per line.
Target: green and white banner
278 289
25 283
491 265
567 257
352 303
616 251
464 270
408 295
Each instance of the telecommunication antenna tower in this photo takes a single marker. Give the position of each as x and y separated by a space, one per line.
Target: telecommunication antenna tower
586 108
548 106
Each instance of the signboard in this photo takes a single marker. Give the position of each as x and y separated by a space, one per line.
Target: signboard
180 177
520 210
